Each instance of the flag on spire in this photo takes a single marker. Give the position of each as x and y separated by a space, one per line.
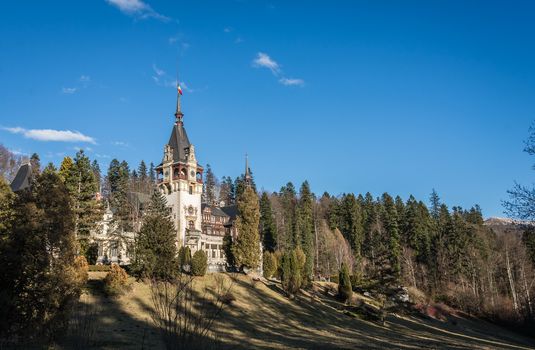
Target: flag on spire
179 88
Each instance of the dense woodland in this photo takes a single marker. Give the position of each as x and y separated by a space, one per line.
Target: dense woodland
362 241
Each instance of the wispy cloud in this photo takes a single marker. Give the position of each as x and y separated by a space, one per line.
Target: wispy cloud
263 60
120 144
102 155
69 90
228 29
137 9
159 72
51 135
85 78
291 82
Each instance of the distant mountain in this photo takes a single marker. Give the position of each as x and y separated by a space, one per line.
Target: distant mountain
507 225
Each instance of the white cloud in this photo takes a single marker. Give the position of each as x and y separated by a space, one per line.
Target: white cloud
52 135
291 81
227 29
120 143
69 90
137 8
263 60
85 78
102 155
159 72
238 40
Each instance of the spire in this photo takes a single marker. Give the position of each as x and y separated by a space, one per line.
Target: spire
247 172
178 113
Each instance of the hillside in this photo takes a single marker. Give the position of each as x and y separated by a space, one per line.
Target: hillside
261 317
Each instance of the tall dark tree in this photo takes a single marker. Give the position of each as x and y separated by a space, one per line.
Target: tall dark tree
209 188
246 248
118 178
152 173
435 204
305 227
390 222
268 229
38 286
288 201
97 173
156 253
227 193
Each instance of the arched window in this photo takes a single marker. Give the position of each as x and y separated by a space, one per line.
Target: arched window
175 173
199 176
191 225
183 172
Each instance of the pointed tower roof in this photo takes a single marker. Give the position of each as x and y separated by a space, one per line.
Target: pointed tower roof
179 140
247 171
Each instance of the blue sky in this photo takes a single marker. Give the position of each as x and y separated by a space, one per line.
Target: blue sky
354 96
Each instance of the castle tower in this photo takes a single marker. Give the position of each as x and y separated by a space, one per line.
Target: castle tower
179 178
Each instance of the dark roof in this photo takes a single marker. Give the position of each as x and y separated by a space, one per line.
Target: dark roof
215 210
179 142
231 210
22 179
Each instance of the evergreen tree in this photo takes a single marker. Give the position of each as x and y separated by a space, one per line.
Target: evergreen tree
434 199
305 228
390 222
209 188
228 249
96 172
269 264
345 290
142 171
290 273
246 248
35 163
6 210
156 254
39 283
350 224
152 173
199 263
268 229
227 191
118 178
289 205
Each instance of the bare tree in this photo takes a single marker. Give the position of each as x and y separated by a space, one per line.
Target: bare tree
186 316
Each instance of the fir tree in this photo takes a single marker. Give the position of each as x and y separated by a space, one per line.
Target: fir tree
209 188
305 228
228 250
199 263
289 205
227 191
390 222
156 254
152 173
142 171
268 230
246 248
96 172
118 178
434 200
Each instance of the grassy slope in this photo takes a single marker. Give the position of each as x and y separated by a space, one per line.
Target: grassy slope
261 317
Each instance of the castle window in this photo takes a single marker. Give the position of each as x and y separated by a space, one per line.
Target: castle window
113 248
183 172
191 225
190 189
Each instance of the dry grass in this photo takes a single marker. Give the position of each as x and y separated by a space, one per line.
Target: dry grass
262 317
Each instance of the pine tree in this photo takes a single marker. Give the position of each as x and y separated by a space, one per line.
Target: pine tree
228 250
199 263
246 248
142 171
118 178
227 192
209 188
35 162
268 229
97 173
305 228
434 199
289 205
156 254
6 211
390 222
152 173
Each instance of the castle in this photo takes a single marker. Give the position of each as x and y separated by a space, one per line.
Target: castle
200 226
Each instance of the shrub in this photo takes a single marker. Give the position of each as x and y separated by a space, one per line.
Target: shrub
184 259
291 273
81 268
270 264
91 253
344 285
116 281
199 263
